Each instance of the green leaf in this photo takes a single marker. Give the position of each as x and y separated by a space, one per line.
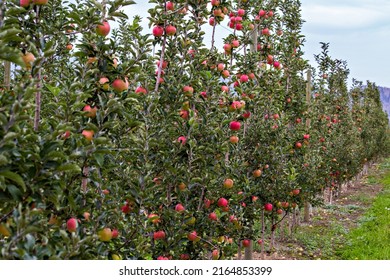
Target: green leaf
14 177
70 167
54 90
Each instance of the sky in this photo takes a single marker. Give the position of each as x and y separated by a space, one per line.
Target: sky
358 31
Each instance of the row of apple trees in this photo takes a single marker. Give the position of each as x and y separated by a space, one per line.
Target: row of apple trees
157 144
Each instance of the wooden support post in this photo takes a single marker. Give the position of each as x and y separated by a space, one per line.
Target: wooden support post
7 74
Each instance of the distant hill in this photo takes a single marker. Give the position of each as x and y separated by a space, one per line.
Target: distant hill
385 98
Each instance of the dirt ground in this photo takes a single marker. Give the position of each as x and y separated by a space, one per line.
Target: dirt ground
326 232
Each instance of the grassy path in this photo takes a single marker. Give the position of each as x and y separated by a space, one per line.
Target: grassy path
371 239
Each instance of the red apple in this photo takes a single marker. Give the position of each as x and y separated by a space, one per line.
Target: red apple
159 235
241 12
24 3
88 134
262 13
154 218
207 203
234 125
179 208
298 145
213 216
246 243
184 257
233 139
182 140
170 30
268 207
103 29
188 89
71 225
158 31
222 202
91 111
212 21
235 43
296 191
169 6
215 254
66 134
193 236
184 114
215 2
140 90
257 173
246 115
306 136
115 233
244 78
119 85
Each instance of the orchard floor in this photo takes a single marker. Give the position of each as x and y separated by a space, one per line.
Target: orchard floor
327 234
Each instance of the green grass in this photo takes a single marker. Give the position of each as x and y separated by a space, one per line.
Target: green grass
371 239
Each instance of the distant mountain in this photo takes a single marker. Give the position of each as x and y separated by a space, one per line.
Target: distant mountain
385 98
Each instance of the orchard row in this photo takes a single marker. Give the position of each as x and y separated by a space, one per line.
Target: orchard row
155 144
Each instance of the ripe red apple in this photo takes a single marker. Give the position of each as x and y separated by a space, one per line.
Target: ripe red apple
244 78
260 241
296 191
225 88
306 136
276 116
227 48
91 111
262 13
207 203
234 125
268 207
233 139
103 29
71 225
222 202
115 233
215 2
154 218
169 6
215 254
170 30
88 134
298 145
159 235
279 211
119 85
220 67
276 64
246 115
125 208
225 73
24 3
158 31
257 173
140 89
212 21
265 32
182 140
188 89
241 12
228 183
184 114
179 208
213 216
193 236
66 134
246 243
235 43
